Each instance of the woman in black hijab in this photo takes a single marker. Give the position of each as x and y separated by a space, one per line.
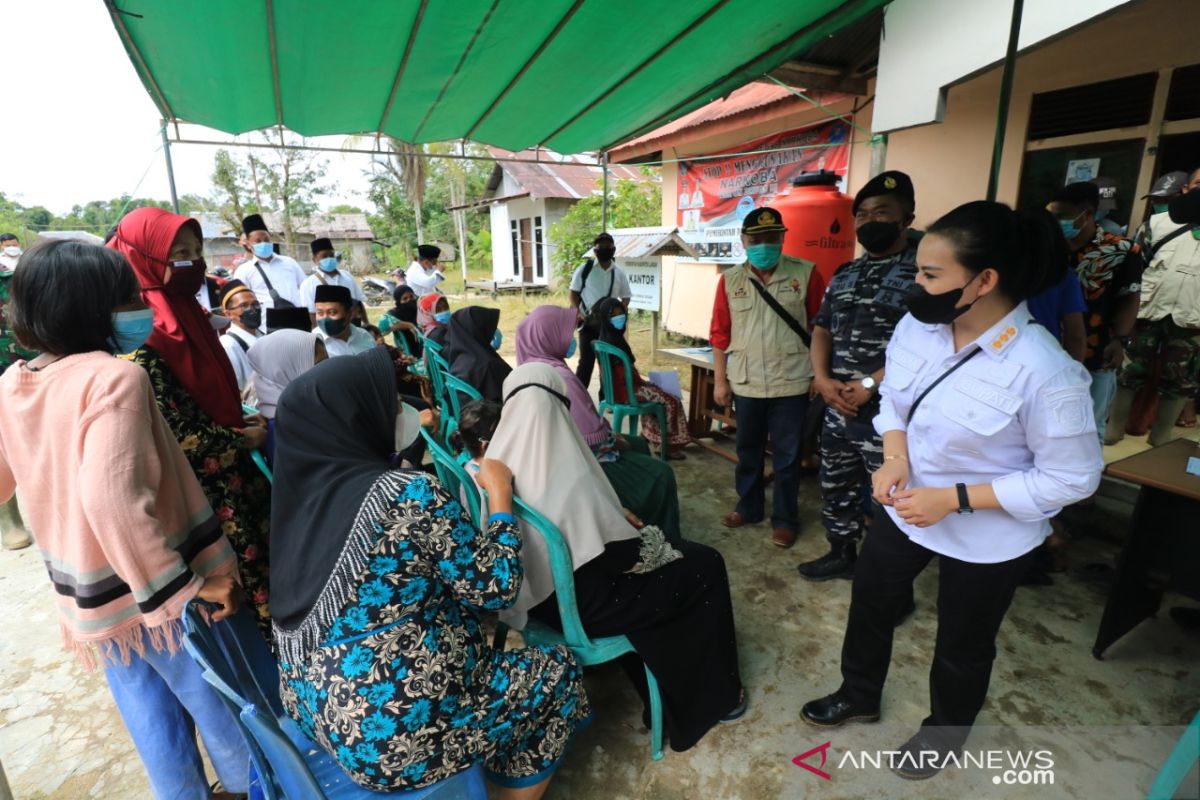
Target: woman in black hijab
381 582
401 322
471 343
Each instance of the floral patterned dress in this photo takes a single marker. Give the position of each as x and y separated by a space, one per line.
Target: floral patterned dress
237 491
390 671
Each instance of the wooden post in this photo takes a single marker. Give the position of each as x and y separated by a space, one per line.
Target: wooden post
654 337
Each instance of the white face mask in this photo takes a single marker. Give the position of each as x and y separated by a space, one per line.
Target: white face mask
408 426
12 251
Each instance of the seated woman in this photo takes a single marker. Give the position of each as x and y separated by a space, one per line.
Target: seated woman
608 320
645 485
471 342
380 580
401 322
195 387
433 315
671 601
278 359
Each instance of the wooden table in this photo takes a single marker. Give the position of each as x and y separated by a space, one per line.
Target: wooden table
702 412
1163 549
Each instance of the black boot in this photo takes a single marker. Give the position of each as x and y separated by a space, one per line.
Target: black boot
837 563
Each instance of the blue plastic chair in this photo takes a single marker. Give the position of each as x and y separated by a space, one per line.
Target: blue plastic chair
632 410
256 455
1183 759
588 652
287 765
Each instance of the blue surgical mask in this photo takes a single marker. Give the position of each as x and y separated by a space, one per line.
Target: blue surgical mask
497 338
619 321
571 348
764 256
1069 231
264 250
131 329
1159 207
328 264
442 317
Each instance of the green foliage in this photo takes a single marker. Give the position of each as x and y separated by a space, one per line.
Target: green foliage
630 205
344 208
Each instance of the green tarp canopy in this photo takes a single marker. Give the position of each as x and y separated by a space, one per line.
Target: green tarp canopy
572 75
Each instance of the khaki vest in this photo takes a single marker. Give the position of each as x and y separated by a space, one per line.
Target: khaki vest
765 357
1171 282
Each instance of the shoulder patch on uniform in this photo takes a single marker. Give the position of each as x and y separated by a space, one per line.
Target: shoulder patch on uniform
988 394
906 358
740 292
1004 339
1071 409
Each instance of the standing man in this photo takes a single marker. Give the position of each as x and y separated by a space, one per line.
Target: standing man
333 323
850 334
275 279
1109 270
589 286
326 273
13 533
1168 319
425 273
245 314
761 363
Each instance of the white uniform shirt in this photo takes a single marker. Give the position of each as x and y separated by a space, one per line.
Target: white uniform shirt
601 283
1018 416
237 354
308 289
285 275
359 342
423 281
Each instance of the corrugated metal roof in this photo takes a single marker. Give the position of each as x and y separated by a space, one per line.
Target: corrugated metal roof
555 175
335 226
646 242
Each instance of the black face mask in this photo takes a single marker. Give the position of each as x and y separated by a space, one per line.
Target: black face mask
252 317
877 236
605 253
1185 208
936 309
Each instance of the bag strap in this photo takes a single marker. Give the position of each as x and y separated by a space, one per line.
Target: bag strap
941 378
791 321
276 298
1156 246
587 270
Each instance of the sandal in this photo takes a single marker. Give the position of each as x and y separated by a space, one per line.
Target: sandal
739 710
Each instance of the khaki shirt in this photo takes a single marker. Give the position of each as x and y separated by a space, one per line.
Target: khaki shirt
1171 282
766 358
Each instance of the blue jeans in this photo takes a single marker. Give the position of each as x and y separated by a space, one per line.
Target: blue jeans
164 700
782 420
1104 389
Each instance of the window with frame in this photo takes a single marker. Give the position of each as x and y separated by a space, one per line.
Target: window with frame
540 258
516 248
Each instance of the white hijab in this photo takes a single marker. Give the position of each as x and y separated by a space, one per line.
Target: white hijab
555 472
278 359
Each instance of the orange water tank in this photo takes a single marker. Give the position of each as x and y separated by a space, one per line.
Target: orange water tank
819 221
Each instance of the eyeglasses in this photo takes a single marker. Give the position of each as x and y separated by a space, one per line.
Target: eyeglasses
245 306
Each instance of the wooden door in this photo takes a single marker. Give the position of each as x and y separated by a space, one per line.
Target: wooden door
526 250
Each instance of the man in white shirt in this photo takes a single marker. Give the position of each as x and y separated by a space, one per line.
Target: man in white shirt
333 304
275 279
325 274
425 273
241 307
591 283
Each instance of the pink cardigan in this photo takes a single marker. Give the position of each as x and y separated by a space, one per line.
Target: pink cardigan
125 530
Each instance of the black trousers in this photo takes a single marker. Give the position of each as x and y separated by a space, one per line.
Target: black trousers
972 602
587 356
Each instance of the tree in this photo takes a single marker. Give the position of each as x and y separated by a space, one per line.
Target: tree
231 190
631 204
344 208
292 179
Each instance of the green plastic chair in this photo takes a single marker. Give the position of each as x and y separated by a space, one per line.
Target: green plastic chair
588 652
633 410
256 455
454 477
437 369
456 386
1183 759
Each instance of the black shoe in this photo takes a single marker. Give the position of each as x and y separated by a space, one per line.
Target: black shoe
837 563
834 709
906 612
1187 617
915 762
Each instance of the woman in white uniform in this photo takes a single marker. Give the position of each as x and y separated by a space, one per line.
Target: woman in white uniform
987 433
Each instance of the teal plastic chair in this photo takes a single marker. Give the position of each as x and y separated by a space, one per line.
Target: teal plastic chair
588 652
436 369
456 386
1183 759
632 410
454 477
256 455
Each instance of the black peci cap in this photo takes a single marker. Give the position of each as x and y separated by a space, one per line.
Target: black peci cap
892 182
320 244
252 223
294 318
763 220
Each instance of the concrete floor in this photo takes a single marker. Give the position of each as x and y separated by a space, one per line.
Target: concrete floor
1108 723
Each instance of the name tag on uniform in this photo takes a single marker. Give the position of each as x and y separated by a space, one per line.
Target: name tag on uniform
988 394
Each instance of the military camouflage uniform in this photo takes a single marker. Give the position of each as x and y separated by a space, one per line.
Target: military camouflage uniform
864 302
10 351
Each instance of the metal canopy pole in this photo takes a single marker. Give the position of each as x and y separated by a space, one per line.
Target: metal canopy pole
604 197
1006 79
170 167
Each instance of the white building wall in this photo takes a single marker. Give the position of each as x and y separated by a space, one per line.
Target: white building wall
502 259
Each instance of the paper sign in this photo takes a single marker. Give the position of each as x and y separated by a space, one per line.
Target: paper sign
1193 466
645 281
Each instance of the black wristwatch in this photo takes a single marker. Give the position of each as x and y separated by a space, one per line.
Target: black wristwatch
964 502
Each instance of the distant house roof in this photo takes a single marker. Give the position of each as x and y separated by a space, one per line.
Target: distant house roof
654 241
335 226
554 175
754 102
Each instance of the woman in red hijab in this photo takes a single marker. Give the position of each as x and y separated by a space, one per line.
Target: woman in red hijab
433 314
195 386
